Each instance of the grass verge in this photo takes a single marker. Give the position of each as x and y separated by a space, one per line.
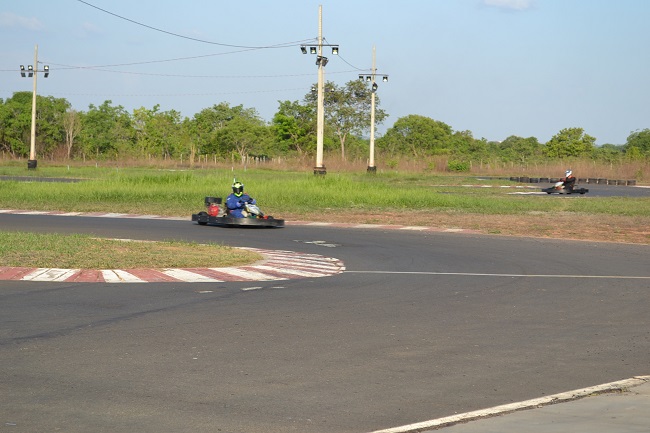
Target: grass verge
22 249
424 199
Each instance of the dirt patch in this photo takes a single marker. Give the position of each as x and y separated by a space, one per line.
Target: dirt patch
603 228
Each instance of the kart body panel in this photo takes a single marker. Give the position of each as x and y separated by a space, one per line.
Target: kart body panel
555 190
217 216
202 218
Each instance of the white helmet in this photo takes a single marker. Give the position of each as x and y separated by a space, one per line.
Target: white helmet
568 173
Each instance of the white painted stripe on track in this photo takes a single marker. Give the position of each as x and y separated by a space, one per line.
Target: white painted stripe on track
189 276
120 276
50 274
147 217
247 274
303 265
620 385
471 274
299 256
368 226
114 215
289 271
35 212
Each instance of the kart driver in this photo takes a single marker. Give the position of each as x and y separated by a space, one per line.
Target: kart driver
569 180
236 201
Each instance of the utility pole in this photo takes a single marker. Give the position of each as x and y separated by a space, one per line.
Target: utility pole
32 71
372 78
371 162
31 162
321 61
320 118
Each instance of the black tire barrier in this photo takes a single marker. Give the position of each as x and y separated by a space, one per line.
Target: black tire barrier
591 180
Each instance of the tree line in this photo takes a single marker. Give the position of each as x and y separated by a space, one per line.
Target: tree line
228 132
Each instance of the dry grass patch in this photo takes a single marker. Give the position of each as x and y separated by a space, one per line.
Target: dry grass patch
607 228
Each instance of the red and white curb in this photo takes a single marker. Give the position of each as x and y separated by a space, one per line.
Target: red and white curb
278 265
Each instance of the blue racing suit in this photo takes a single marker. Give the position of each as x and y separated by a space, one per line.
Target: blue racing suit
235 205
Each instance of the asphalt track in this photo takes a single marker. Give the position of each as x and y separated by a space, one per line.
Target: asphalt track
420 325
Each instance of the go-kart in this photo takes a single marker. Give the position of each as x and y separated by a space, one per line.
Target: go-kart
560 188
218 216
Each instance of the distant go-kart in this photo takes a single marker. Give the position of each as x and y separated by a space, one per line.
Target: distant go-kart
217 215
559 188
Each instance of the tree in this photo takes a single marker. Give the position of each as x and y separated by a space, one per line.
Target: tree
418 136
639 140
570 142
466 147
347 109
208 122
107 131
50 131
294 126
245 136
518 149
15 124
72 126
608 153
158 132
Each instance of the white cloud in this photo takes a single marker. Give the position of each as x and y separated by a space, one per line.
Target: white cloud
90 28
8 19
518 5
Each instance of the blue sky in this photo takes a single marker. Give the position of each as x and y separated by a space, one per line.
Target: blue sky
493 67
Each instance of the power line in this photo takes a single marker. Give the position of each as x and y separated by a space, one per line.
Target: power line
282 45
177 94
146 62
63 67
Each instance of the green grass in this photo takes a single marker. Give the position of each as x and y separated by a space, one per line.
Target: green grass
180 193
77 251
279 193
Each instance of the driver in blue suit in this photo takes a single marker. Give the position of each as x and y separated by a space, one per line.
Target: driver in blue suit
236 201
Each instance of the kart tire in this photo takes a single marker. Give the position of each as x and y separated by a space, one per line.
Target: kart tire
202 218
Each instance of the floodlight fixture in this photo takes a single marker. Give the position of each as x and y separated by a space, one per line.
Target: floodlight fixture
368 78
385 78
335 50
374 87
22 71
46 70
303 49
312 50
